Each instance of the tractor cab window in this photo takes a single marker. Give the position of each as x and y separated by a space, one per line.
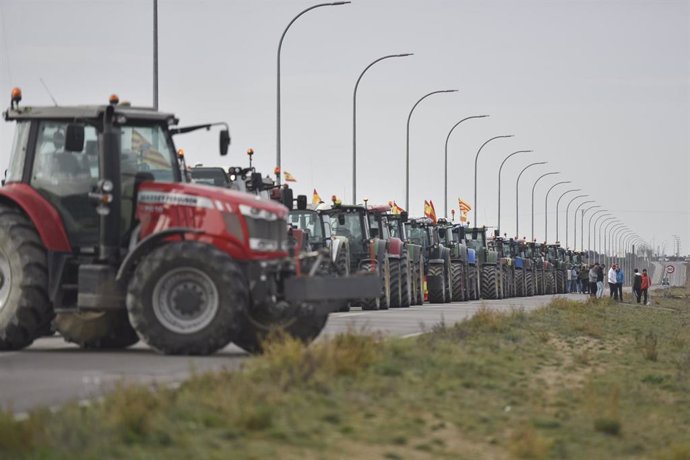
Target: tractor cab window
396 229
418 235
146 149
21 139
65 179
307 221
347 224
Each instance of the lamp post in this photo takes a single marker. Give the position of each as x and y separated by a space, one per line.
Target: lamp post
558 202
546 208
445 164
476 158
575 222
567 211
604 234
582 226
354 121
155 54
534 186
280 47
615 230
499 183
589 229
606 218
517 197
407 148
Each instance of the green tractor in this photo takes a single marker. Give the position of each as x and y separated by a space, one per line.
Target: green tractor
558 260
524 268
399 227
451 237
502 245
490 270
368 250
437 261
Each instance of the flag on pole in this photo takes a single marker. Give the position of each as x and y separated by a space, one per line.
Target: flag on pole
289 177
463 217
464 205
395 209
315 198
429 210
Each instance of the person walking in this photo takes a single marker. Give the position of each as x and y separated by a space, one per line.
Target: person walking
600 280
584 279
593 276
612 279
637 284
645 283
620 279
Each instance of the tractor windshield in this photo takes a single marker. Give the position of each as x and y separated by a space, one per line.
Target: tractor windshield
148 149
419 235
348 224
308 221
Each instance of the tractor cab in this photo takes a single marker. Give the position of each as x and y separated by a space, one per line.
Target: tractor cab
209 175
316 227
351 222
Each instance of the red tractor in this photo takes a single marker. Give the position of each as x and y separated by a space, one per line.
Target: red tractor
100 233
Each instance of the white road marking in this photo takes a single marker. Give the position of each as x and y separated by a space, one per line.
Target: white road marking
414 334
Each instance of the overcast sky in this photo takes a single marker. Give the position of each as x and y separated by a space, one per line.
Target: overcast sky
599 89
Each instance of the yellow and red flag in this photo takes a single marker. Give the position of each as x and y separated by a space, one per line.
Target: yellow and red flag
315 198
463 217
429 210
464 205
395 209
289 177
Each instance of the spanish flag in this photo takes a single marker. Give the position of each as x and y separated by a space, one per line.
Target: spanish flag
315 198
429 210
289 177
463 217
464 205
395 209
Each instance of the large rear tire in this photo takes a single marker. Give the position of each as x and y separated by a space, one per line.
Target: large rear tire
383 301
25 310
458 274
490 288
97 329
396 294
419 279
529 283
549 287
448 292
437 288
405 280
185 298
520 282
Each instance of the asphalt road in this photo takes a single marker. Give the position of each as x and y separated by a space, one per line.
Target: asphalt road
52 372
677 278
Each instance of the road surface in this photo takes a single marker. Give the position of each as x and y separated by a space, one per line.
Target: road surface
52 372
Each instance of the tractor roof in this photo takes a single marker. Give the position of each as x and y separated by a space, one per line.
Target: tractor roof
87 112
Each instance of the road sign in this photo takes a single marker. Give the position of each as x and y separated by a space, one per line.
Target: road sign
670 269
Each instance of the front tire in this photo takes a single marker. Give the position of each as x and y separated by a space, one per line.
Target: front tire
405 280
437 290
383 301
185 299
490 288
396 294
97 329
25 309
458 272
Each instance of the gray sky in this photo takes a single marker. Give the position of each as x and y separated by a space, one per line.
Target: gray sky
599 89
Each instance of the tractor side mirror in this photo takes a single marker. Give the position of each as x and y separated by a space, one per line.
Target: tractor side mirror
224 141
286 198
404 216
74 138
301 202
257 182
341 219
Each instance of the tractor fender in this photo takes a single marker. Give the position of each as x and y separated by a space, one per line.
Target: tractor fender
437 261
395 246
42 214
147 245
338 243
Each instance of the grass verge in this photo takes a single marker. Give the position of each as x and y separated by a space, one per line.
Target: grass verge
571 380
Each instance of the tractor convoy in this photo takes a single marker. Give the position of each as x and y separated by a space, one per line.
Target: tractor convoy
107 237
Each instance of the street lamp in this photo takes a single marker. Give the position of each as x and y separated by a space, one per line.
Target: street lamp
476 158
517 196
567 211
407 148
445 164
558 202
499 184
575 223
354 121
606 218
534 186
605 229
155 54
582 225
546 208
280 47
589 229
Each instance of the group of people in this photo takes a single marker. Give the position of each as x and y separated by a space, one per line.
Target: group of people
591 281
